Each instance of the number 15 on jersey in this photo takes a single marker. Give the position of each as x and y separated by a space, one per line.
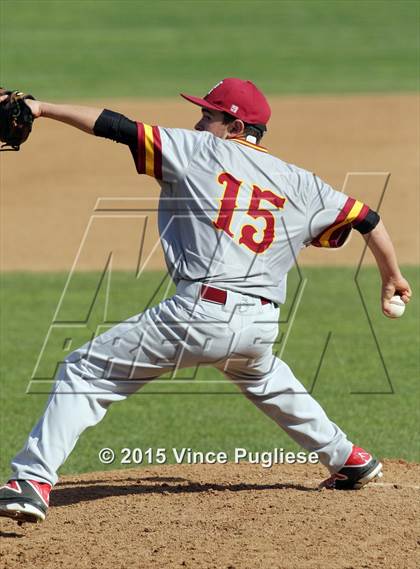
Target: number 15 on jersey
248 233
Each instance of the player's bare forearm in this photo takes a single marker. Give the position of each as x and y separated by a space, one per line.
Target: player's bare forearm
382 248
379 242
81 117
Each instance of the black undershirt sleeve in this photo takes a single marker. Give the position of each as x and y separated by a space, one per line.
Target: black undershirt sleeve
116 127
368 223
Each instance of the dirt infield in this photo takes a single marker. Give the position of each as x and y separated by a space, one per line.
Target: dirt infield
50 188
221 516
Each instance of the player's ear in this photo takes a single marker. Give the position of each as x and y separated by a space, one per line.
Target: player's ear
236 128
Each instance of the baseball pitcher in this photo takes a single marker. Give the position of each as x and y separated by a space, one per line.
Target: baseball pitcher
232 221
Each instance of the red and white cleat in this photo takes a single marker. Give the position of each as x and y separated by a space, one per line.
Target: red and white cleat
360 468
25 500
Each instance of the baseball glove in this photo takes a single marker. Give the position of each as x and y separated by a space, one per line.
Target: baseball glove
16 119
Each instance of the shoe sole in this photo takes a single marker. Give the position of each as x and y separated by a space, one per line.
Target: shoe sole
22 513
371 476
375 473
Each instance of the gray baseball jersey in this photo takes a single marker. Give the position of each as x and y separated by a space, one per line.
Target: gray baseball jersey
233 215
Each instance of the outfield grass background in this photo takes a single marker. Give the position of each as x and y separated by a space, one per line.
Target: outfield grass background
97 49
216 416
93 48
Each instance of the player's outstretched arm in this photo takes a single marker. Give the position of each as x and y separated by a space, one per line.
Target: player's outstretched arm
110 124
393 283
81 117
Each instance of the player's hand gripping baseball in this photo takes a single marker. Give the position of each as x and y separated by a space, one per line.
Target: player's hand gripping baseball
396 286
393 283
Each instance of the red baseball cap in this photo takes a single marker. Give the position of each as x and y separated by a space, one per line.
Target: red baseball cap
238 98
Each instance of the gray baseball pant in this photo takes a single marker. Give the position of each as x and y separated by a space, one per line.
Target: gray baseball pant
183 331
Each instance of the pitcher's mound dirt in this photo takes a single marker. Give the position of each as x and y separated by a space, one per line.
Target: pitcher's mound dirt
221 516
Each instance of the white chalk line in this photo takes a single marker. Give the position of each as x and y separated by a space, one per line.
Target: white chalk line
396 485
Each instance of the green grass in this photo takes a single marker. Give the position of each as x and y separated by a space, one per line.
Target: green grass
65 49
351 384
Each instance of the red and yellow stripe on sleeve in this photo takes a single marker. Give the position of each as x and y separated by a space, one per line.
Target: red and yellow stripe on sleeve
149 150
334 235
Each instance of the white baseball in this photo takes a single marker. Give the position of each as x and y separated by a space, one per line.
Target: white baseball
396 307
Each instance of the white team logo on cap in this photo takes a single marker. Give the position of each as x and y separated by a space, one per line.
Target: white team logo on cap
234 109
